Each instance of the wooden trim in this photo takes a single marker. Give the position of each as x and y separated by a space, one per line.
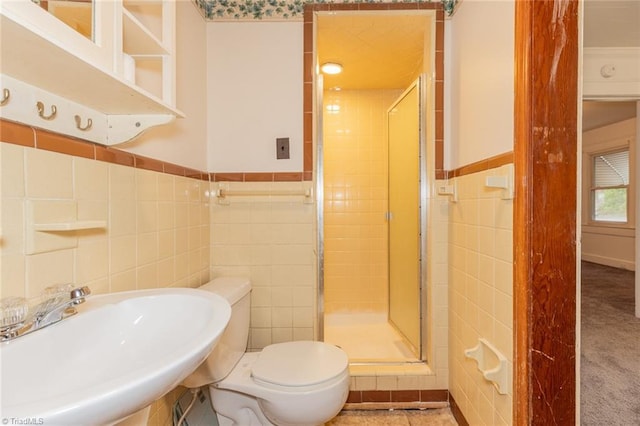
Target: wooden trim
49 141
546 104
17 134
24 135
416 395
482 165
257 177
457 412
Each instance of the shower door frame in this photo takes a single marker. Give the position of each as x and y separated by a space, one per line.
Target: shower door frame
420 84
427 169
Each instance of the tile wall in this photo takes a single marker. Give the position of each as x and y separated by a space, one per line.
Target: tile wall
164 230
480 293
270 239
357 192
156 234
356 200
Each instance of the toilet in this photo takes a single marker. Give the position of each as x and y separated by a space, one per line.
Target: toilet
286 384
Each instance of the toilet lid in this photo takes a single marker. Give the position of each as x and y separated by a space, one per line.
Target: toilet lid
301 363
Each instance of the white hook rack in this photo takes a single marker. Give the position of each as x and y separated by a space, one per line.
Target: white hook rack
52 114
79 125
60 115
6 94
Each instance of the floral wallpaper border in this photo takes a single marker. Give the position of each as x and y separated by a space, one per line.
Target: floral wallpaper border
214 10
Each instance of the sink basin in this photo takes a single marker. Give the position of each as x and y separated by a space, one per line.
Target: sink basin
120 352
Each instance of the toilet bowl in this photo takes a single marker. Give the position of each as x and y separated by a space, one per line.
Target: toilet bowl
293 383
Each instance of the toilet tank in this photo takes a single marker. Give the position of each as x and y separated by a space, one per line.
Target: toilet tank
233 343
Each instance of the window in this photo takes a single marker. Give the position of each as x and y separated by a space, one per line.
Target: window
610 187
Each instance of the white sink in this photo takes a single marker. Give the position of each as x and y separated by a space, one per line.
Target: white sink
121 352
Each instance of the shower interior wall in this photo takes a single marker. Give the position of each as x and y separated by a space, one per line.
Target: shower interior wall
356 197
435 374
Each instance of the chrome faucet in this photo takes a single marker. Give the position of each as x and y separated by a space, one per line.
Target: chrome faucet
58 303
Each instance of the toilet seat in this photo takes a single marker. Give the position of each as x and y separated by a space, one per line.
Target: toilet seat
299 364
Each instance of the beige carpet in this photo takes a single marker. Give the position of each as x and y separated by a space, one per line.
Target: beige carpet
610 361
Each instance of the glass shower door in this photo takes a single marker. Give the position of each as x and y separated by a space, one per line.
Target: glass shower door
404 215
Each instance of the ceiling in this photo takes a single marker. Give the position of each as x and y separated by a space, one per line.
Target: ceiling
376 51
601 113
386 51
611 23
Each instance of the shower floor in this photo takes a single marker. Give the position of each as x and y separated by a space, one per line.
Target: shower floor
366 337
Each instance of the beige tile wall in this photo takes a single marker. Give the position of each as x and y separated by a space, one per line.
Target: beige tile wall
270 239
159 234
355 200
435 374
437 318
480 294
156 235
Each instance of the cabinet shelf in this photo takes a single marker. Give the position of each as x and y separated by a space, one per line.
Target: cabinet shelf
35 60
44 59
31 58
138 40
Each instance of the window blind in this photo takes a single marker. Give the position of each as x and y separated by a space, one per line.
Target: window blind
611 169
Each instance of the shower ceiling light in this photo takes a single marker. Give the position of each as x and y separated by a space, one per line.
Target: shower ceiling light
331 68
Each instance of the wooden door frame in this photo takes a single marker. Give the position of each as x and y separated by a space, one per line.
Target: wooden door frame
545 239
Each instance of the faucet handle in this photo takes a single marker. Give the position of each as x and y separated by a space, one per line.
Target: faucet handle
78 294
13 312
66 291
58 290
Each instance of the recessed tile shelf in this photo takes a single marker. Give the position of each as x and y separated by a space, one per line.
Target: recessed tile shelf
70 226
53 224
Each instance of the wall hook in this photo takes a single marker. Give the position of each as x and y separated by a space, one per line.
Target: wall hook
6 94
51 116
79 123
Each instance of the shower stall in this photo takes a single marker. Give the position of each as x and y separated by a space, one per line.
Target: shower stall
370 131
371 182
372 224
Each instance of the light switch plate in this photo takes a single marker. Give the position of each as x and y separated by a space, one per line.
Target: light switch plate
282 148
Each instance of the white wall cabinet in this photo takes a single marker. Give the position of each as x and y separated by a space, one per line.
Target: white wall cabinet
123 80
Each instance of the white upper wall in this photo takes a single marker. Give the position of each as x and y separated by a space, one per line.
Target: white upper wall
183 141
479 81
254 90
